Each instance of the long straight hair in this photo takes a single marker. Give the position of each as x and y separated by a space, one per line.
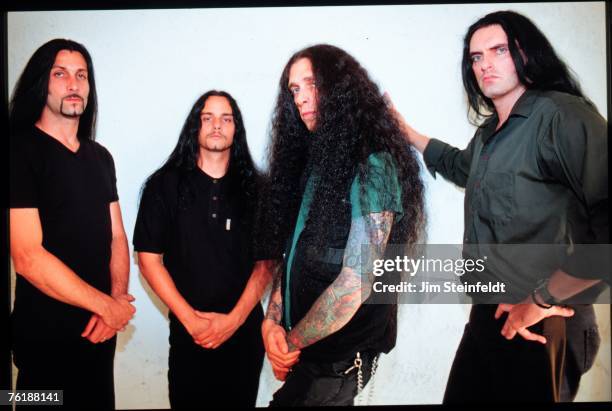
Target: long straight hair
541 69
30 93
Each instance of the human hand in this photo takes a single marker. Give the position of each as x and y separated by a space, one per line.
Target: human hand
220 328
119 311
526 314
277 350
97 330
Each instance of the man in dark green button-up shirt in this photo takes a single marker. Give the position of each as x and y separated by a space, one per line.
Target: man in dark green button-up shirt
535 176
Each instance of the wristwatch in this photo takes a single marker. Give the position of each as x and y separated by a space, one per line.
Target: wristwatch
544 294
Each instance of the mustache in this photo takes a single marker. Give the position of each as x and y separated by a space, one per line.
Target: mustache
73 96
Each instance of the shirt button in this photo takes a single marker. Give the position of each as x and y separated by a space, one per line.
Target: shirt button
214 215
215 198
215 181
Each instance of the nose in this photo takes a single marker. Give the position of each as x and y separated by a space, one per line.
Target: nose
303 96
485 63
72 83
216 123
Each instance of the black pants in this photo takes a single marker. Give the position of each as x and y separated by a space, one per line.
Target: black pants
313 383
84 371
228 376
490 369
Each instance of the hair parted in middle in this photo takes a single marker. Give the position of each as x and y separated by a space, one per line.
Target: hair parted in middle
353 121
184 157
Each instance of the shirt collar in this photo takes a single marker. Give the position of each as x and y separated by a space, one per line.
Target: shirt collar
522 108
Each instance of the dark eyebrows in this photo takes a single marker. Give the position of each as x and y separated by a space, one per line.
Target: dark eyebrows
309 79
55 66
495 47
212 114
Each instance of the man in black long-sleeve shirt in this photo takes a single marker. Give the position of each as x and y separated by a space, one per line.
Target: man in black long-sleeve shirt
535 173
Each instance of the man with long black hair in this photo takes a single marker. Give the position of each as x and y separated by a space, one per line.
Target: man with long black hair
193 235
68 244
341 178
534 173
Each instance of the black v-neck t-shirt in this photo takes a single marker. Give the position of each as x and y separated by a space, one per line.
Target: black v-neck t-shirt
72 192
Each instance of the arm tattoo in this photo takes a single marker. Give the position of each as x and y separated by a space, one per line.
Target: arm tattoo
275 306
341 300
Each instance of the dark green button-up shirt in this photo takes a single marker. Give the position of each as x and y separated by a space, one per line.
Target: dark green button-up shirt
541 178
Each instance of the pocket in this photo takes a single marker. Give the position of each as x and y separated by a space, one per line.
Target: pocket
498 196
592 340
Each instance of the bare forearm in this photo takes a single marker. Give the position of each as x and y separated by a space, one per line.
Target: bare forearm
341 300
162 284
330 312
119 266
255 287
54 278
275 305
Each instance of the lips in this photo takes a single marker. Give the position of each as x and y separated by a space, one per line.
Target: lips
308 114
73 99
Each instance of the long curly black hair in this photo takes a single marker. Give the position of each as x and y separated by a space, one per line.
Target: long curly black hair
353 122
243 175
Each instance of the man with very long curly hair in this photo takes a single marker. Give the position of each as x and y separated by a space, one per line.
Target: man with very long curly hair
340 178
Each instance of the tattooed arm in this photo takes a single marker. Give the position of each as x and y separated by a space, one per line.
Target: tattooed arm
341 300
274 335
275 305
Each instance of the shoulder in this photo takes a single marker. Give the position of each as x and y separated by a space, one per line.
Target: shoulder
566 105
162 181
98 149
24 145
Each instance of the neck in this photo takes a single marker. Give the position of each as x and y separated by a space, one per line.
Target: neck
61 128
504 104
214 163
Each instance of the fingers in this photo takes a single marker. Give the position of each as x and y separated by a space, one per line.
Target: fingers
280 343
528 335
508 331
387 99
90 325
284 360
560 310
501 308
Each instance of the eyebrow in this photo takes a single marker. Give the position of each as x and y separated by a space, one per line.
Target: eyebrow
495 47
307 79
212 114
64 68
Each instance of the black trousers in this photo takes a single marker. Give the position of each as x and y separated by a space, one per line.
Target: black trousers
312 383
490 369
228 376
84 371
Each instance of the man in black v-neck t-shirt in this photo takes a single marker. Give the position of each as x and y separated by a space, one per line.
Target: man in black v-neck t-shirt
193 236
68 244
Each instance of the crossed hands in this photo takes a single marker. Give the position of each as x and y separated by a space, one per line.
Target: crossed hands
102 327
277 350
209 330
526 314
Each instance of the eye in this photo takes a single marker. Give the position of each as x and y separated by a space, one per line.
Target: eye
58 74
206 118
501 50
228 120
294 90
82 76
475 58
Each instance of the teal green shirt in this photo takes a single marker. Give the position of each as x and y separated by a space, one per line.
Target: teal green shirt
382 193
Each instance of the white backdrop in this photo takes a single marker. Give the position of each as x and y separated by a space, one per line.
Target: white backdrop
151 65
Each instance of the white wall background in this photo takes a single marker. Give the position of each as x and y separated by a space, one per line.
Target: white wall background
151 65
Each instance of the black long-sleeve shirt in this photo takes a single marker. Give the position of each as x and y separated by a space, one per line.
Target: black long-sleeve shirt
540 182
